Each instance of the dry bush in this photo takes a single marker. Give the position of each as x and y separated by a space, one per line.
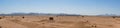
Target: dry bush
0 27
0 18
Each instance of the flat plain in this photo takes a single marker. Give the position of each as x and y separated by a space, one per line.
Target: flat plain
59 22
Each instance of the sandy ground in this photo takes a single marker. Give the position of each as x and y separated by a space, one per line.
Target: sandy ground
59 22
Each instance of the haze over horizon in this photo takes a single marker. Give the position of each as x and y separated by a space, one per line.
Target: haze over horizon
84 7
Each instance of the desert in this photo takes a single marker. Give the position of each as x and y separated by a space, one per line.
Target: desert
59 22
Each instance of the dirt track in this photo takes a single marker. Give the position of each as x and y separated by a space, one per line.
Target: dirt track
59 22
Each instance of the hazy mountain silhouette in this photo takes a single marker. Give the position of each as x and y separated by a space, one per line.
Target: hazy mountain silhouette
42 14
108 15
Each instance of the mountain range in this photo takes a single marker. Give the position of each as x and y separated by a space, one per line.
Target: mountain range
41 14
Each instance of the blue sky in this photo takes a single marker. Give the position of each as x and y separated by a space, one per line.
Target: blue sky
84 7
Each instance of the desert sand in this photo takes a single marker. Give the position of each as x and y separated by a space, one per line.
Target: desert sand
59 22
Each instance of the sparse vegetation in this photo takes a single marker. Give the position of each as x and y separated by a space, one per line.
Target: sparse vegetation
0 27
113 16
60 22
23 17
51 18
82 16
0 18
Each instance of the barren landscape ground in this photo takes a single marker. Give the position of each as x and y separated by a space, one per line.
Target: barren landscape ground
59 22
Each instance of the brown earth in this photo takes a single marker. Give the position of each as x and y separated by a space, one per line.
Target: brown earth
59 22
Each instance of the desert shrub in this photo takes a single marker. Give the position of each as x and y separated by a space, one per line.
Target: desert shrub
0 27
113 16
23 17
51 18
0 18
82 16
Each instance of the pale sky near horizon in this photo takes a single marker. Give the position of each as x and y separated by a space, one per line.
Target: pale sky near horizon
84 7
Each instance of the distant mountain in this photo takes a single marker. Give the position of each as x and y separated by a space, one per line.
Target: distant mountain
108 15
41 14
